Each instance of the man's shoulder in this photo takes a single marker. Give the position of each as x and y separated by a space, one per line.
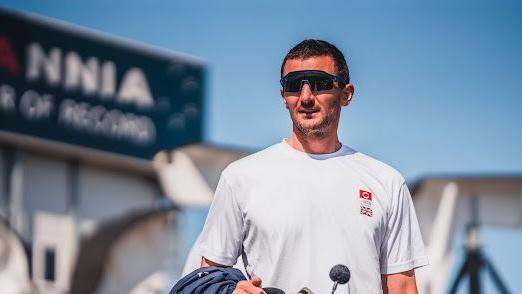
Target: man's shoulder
377 168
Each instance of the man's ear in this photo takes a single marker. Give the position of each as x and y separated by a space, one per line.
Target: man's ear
347 94
282 92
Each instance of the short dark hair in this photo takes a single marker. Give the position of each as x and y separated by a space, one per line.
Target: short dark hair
311 48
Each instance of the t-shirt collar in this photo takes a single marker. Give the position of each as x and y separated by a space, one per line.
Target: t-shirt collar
344 150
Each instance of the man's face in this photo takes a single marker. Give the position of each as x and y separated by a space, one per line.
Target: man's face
315 112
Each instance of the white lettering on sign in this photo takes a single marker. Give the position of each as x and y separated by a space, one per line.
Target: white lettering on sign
36 106
134 88
108 77
37 62
7 98
112 123
88 76
79 74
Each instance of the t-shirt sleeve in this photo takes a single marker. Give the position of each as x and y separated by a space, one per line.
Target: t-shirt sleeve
221 238
402 248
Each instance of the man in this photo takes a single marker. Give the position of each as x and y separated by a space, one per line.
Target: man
297 208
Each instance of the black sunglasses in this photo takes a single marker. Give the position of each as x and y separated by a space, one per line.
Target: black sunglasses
317 80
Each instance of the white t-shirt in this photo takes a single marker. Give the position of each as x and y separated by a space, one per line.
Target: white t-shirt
296 215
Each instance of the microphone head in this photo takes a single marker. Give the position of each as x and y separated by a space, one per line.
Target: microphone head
270 290
340 273
305 290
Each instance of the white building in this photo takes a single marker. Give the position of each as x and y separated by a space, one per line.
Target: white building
94 224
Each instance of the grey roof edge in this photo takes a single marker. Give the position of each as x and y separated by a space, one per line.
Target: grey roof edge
415 184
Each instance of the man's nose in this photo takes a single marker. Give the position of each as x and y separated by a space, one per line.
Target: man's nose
307 95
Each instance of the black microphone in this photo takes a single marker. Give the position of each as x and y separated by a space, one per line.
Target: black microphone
270 290
305 290
339 274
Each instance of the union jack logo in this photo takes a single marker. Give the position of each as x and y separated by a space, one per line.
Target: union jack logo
367 211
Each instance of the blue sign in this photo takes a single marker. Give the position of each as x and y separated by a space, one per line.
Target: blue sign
63 84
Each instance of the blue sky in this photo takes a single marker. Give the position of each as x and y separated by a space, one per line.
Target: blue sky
438 84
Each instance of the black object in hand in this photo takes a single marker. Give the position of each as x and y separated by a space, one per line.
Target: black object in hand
270 290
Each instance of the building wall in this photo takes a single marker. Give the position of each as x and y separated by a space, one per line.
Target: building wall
53 201
44 189
104 194
148 250
3 179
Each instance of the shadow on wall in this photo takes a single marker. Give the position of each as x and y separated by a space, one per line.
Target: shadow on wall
138 250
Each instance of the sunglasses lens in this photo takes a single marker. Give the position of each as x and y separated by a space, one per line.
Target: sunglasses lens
293 85
323 84
317 81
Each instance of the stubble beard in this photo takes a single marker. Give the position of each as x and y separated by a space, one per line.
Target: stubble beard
319 130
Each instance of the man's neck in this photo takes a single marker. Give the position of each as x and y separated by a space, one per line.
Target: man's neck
314 145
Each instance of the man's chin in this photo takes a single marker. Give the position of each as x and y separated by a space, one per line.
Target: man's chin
311 129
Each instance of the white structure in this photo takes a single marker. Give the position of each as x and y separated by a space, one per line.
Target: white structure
443 208
80 221
14 270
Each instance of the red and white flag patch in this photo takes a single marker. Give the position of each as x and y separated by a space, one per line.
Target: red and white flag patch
366 202
365 195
